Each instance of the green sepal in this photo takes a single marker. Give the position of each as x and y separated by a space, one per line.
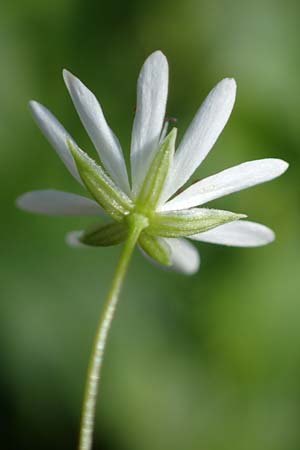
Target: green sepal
187 222
104 235
156 176
156 248
112 199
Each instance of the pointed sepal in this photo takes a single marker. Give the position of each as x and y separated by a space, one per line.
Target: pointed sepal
156 248
187 222
155 179
104 235
112 199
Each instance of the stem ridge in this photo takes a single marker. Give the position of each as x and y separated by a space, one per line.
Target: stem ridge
136 224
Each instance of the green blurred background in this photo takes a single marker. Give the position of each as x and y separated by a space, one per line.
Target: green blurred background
205 362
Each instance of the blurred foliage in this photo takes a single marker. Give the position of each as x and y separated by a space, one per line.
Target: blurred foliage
207 362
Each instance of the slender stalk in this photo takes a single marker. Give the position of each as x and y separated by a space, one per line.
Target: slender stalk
136 225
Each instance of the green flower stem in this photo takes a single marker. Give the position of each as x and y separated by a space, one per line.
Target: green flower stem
136 224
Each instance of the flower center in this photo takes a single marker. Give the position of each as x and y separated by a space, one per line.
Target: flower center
137 221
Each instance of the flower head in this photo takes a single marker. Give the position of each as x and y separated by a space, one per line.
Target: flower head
157 173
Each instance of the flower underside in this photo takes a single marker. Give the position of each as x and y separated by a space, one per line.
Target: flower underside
126 213
158 172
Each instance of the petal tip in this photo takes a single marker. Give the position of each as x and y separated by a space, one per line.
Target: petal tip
268 236
35 107
228 85
72 239
158 54
67 75
284 165
72 83
193 267
40 112
277 165
69 78
157 58
184 256
226 89
24 202
32 103
272 237
19 202
231 81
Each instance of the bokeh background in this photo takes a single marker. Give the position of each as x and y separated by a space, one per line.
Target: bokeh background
205 362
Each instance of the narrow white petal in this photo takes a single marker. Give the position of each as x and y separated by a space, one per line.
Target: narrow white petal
228 181
152 91
58 203
201 134
237 234
56 135
73 239
164 132
105 141
185 256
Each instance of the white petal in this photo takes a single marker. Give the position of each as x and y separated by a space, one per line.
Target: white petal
228 181
164 132
106 143
201 134
56 135
58 203
237 234
152 91
185 256
73 239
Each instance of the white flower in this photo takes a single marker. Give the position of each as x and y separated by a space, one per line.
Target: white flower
156 174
